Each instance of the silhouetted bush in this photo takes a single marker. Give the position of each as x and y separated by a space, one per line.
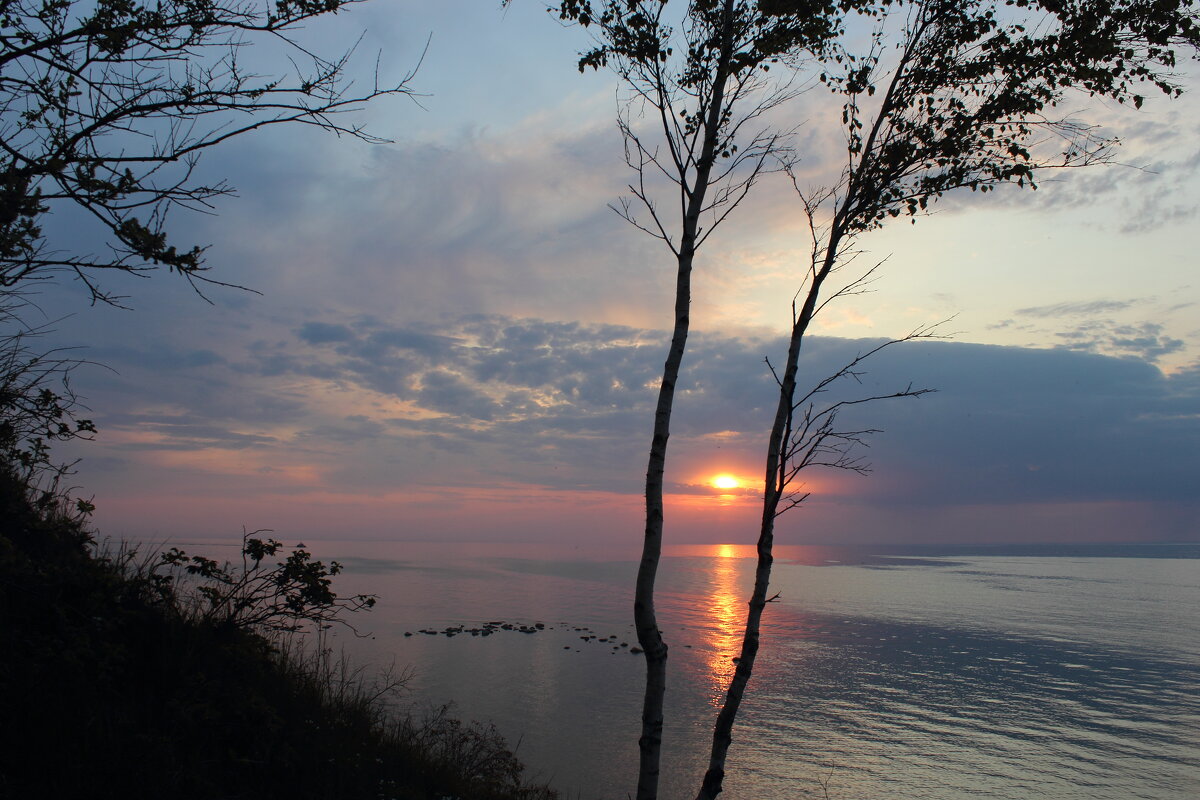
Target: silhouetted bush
127 676
255 596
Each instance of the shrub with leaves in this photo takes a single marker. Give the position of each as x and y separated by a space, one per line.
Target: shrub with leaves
257 595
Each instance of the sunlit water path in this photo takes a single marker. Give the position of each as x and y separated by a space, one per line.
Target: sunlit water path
1064 674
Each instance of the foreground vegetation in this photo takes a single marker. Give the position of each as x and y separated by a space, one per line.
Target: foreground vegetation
178 677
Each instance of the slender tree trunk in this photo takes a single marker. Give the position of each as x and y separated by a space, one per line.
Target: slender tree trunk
774 485
645 619
775 481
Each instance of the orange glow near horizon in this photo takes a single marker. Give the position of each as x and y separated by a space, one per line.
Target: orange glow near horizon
725 481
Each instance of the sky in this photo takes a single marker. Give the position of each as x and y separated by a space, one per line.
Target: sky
457 340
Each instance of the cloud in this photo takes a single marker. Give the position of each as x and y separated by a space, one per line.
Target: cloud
1091 427
1146 341
410 229
1165 198
566 406
324 333
325 410
1076 308
1126 328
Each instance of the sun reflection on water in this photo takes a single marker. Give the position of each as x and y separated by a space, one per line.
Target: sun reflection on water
726 618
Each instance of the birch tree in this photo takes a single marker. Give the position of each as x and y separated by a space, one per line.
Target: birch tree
697 91
947 95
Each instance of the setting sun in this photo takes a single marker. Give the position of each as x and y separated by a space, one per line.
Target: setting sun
725 482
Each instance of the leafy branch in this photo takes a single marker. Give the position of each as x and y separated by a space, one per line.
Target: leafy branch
106 107
256 595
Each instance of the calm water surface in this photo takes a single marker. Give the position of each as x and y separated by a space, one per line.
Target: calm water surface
984 674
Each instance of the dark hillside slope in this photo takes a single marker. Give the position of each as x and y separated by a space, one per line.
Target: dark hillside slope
110 689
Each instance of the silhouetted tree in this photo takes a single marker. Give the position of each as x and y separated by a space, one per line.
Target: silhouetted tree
106 105
945 95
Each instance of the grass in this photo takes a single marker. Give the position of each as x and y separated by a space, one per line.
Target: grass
111 686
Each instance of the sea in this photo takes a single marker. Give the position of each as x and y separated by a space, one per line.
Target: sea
939 673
